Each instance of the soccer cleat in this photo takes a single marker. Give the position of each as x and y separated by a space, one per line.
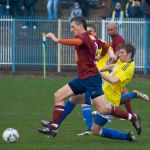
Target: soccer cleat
141 95
131 137
137 124
45 123
86 133
47 131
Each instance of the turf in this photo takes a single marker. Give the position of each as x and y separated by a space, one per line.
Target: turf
25 101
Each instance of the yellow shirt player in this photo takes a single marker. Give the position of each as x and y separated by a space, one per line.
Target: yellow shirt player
124 72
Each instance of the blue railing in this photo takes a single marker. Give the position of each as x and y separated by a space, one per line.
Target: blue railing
22 46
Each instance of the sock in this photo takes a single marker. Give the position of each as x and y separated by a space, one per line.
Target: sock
68 108
127 96
129 107
113 134
57 113
116 112
87 115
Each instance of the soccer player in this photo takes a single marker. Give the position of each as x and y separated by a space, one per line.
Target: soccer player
116 41
88 81
121 75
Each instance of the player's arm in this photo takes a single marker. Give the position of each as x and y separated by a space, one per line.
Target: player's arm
71 42
110 79
111 54
106 48
107 68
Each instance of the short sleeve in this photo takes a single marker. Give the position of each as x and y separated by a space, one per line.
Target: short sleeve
126 72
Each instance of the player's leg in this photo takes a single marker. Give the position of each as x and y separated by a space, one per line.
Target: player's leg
68 108
97 129
132 95
127 97
58 110
94 89
102 108
70 105
127 104
74 87
87 115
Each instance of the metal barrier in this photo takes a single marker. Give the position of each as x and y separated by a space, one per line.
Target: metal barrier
6 42
137 32
22 47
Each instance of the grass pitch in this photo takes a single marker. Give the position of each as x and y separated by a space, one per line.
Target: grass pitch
25 101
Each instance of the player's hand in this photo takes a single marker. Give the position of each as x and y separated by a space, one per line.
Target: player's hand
52 36
112 58
100 70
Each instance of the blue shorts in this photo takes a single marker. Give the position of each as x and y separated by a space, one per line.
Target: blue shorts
92 87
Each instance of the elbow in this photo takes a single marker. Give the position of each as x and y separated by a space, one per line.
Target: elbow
113 81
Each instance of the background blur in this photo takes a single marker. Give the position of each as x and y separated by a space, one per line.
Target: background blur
23 21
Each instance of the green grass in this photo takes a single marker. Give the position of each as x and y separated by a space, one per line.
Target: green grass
25 101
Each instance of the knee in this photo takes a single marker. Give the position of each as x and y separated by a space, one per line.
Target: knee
106 110
103 110
56 96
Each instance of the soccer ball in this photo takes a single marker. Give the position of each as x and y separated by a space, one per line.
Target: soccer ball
10 135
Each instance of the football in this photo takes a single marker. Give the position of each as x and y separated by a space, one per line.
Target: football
10 135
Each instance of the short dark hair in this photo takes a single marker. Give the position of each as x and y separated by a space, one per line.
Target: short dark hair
129 49
91 25
80 20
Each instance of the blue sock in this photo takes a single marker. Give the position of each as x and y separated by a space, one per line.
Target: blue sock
114 134
69 106
128 96
87 115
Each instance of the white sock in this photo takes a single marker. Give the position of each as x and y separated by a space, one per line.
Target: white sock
100 132
129 116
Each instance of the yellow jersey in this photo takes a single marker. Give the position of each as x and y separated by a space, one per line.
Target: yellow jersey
124 71
103 61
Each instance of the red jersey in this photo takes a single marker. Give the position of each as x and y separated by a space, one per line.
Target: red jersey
117 41
86 55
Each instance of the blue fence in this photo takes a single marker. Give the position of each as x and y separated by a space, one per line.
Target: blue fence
21 47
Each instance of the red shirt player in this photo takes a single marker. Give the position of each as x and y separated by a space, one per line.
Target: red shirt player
88 81
116 39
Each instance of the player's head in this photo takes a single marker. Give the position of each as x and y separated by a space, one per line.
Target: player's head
78 25
111 29
126 53
91 28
